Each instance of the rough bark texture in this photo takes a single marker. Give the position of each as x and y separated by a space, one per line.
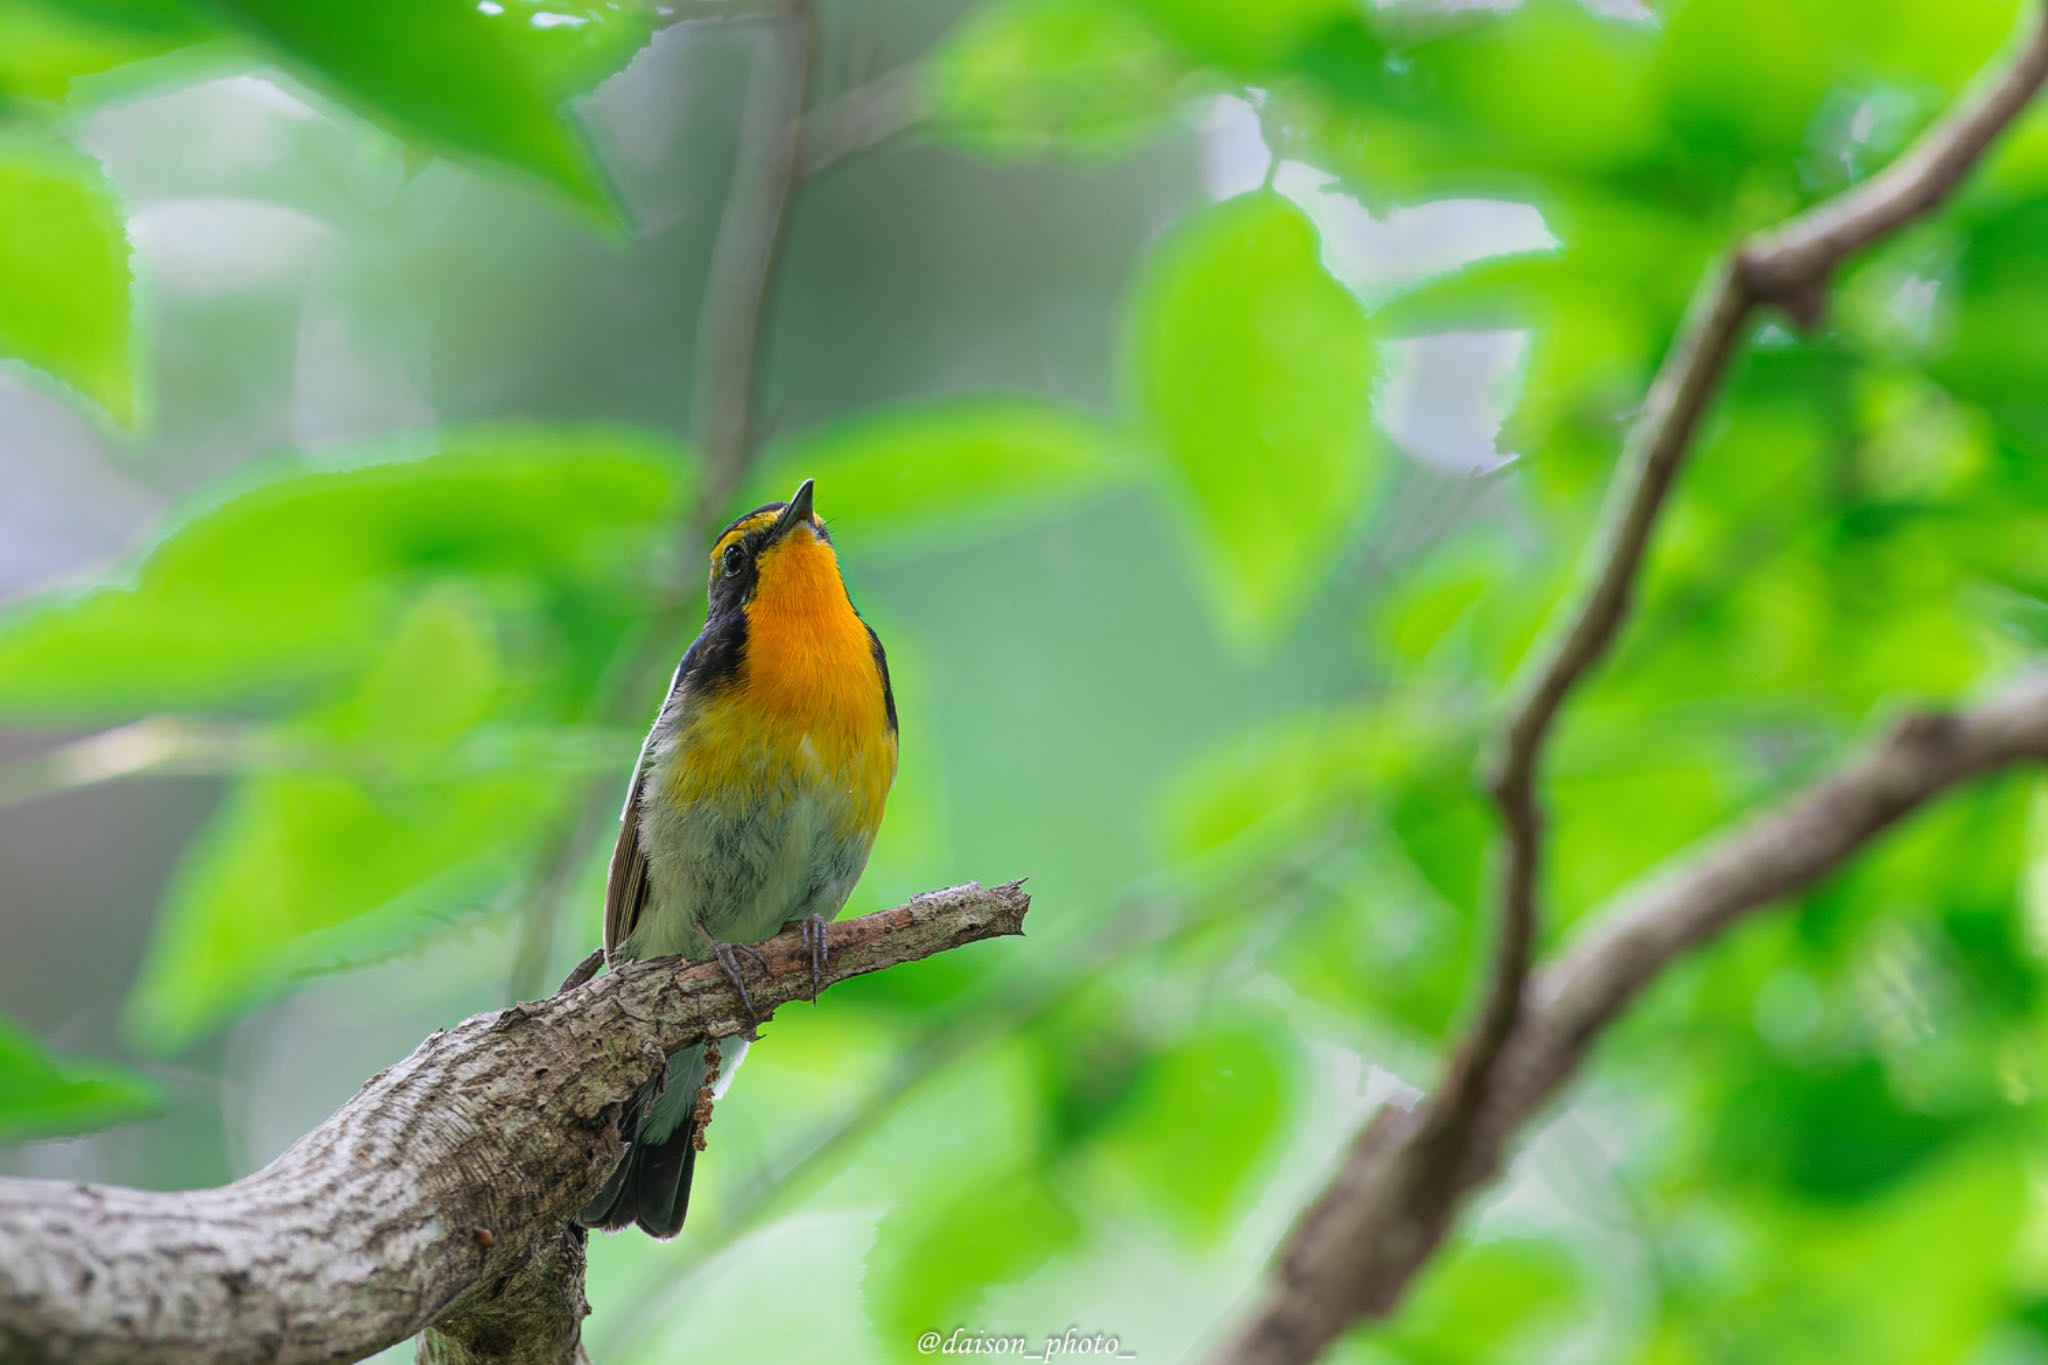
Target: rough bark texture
440 1195
1397 1193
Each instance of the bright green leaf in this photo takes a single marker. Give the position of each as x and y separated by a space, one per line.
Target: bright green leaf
51 44
1202 1119
42 1095
1255 369
437 679
1248 38
1255 793
1480 1301
300 873
288 587
950 1253
1858 1283
484 79
64 278
1052 77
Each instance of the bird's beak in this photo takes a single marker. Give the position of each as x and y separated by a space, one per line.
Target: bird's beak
797 513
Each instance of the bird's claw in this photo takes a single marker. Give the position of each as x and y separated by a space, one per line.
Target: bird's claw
818 945
728 958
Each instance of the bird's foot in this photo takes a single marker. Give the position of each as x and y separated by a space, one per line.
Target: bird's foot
728 958
818 944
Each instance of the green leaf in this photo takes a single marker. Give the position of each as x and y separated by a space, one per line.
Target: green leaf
1858 1283
282 592
1064 78
948 1255
943 466
303 873
64 277
407 617
1261 791
1255 369
1248 38
484 79
1482 1302
47 1096
1835 1133
51 43
302 870
1203 1118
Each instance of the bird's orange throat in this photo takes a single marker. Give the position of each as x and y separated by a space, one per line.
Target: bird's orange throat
808 658
805 716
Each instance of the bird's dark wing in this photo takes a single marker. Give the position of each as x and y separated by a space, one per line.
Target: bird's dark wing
625 893
625 890
882 664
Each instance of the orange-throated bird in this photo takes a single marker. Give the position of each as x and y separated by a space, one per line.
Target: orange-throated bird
753 807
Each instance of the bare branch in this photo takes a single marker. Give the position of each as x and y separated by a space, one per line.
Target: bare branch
732 328
1791 266
1355 1249
1394 1198
439 1196
1779 853
863 117
1684 385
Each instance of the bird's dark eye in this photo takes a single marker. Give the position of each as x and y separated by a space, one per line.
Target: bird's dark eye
734 559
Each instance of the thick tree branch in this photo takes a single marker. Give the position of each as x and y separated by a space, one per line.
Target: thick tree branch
1398 1191
439 1196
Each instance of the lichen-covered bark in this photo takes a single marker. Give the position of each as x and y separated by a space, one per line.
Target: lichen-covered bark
440 1195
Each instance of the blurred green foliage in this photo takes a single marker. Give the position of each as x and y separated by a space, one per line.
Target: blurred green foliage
1196 614
46 1095
64 272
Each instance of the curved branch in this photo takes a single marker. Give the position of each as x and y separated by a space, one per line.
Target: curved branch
1393 1200
439 1196
1788 267
1398 1191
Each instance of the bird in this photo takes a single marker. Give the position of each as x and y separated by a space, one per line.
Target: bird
752 809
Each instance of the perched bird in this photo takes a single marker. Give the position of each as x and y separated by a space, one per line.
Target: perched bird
752 808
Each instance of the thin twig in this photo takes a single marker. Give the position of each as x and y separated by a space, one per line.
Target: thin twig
732 328
863 117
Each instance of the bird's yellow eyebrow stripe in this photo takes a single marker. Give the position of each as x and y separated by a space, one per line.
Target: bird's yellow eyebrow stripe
760 521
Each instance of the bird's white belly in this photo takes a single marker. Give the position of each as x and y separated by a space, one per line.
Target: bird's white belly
738 866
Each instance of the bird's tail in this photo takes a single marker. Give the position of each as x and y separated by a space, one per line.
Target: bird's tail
651 1186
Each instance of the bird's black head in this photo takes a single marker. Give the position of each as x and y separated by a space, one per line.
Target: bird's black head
775 539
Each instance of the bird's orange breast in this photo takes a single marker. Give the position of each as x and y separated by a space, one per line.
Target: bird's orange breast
805 710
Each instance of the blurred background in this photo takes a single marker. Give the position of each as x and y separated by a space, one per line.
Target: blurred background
1209 402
